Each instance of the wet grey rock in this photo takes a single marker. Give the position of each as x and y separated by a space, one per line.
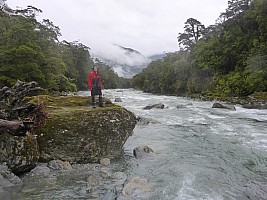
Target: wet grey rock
40 171
20 153
137 185
92 180
40 175
145 121
223 106
105 161
142 151
120 178
118 99
59 165
7 178
158 105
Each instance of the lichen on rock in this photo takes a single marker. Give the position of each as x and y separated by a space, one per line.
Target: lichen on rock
77 133
20 153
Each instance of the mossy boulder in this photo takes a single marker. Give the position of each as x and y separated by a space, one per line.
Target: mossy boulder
20 153
77 133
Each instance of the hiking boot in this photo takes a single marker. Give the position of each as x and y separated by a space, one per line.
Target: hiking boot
93 102
100 102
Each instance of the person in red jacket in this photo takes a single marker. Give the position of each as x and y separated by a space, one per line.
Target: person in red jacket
95 85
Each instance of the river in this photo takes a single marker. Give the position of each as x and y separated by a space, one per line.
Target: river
200 152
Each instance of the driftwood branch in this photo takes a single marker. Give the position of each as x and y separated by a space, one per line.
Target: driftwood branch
12 127
16 115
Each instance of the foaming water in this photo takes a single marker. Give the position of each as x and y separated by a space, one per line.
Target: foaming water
199 153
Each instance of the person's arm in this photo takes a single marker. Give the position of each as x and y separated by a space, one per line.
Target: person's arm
99 81
90 81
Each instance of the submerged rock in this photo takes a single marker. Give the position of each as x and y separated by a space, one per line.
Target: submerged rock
59 165
7 178
105 161
137 185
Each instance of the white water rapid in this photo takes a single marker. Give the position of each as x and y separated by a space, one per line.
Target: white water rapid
200 153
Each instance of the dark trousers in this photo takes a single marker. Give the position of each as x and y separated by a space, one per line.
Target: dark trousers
100 99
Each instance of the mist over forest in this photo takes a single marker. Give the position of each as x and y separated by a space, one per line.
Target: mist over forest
224 59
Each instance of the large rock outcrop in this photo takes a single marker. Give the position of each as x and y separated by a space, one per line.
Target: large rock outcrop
77 133
42 128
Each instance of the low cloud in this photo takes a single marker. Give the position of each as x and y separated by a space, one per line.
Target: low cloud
120 55
149 26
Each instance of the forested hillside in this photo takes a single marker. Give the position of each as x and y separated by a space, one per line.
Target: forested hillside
31 51
225 59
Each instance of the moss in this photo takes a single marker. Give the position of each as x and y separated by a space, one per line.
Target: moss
21 153
64 101
78 133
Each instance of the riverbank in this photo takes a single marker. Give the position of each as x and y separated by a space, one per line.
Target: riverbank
253 101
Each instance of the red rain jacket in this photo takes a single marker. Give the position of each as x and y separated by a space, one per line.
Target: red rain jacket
92 76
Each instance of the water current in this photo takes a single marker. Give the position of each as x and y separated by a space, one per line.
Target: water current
200 152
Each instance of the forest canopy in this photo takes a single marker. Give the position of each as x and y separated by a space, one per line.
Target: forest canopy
225 59
31 51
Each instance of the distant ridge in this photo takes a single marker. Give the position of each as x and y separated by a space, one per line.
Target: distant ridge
157 57
125 61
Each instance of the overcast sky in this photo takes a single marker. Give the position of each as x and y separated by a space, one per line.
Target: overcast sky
148 26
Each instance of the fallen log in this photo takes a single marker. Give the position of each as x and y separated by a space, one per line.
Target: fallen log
16 128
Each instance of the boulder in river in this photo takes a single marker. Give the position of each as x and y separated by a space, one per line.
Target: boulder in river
117 99
43 128
141 151
145 121
59 165
158 105
223 106
77 133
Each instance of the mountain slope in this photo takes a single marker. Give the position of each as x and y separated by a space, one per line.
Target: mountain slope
126 62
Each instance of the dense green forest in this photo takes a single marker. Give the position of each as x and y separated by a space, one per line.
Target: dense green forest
225 59
31 51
